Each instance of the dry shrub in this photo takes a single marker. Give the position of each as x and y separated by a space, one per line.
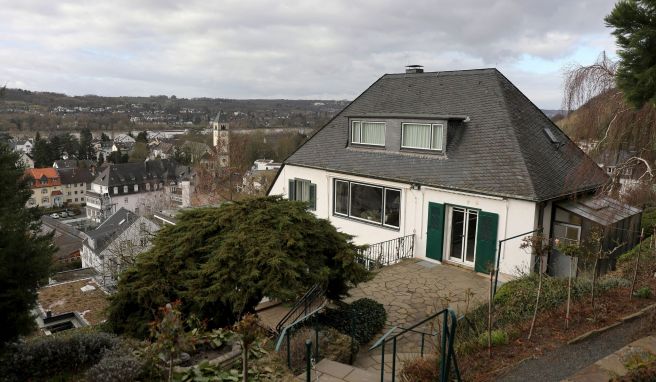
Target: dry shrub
420 369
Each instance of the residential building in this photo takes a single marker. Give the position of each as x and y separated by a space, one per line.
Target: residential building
259 177
24 145
221 138
142 187
114 244
26 159
75 182
462 160
46 187
73 163
265 165
67 239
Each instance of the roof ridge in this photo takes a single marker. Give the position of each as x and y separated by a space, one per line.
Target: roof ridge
444 72
500 78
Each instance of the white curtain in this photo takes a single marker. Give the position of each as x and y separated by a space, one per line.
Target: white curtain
356 132
438 134
417 135
373 133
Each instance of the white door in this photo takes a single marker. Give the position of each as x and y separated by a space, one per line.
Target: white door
461 235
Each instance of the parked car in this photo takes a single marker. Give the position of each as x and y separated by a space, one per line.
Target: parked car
71 213
54 215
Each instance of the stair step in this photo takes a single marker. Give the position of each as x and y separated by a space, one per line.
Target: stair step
335 371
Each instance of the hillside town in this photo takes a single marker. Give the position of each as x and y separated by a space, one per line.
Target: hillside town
448 222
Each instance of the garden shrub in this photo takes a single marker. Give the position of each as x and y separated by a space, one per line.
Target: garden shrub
626 262
644 373
643 292
499 337
362 319
118 365
515 300
338 347
44 357
421 369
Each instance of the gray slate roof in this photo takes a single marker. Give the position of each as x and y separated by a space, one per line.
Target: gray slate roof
163 170
502 150
75 175
111 228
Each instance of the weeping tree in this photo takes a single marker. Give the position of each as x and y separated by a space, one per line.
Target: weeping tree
220 262
614 100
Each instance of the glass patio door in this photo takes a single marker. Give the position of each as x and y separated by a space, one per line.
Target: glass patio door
462 235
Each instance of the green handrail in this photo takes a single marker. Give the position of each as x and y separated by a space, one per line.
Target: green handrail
448 356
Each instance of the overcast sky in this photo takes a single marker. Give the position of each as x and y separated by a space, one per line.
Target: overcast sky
328 49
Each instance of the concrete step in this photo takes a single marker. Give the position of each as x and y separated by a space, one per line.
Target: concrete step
331 371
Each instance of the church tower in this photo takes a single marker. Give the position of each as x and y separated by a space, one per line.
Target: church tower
221 134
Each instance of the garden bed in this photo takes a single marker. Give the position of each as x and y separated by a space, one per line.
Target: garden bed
550 332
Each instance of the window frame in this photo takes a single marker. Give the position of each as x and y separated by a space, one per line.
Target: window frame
312 204
432 135
383 203
359 142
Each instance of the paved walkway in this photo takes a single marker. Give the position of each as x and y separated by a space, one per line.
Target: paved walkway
574 357
331 371
617 364
410 291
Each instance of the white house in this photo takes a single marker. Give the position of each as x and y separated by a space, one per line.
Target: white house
142 188
112 246
461 160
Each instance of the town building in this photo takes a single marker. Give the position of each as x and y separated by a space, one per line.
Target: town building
75 181
221 138
115 243
46 187
142 188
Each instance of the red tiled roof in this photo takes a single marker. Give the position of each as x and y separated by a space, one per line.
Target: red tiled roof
50 173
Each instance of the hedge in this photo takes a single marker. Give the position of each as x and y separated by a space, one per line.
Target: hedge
363 319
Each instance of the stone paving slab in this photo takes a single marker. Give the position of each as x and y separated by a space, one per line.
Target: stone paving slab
615 364
331 371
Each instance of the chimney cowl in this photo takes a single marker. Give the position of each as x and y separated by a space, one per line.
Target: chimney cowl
412 69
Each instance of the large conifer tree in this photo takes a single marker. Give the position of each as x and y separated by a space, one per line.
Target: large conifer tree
634 22
25 254
220 262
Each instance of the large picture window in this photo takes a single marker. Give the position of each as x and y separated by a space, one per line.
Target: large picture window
368 133
423 136
374 204
304 191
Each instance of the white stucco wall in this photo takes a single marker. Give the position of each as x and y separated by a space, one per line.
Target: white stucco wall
515 216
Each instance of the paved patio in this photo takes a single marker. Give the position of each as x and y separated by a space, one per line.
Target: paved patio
410 291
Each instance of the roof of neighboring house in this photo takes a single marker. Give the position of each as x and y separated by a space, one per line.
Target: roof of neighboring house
49 172
120 174
68 297
496 139
105 233
75 175
601 210
67 239
72 163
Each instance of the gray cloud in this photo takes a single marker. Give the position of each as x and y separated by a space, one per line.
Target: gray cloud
301 49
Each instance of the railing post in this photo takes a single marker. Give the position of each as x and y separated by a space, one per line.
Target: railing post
316 339
393 360
308 362
443 355
422 344
289 351
382 361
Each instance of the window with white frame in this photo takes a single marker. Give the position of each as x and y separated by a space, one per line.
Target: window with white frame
136 187
115 190
368 133
304 191
371 203
425 136
125 189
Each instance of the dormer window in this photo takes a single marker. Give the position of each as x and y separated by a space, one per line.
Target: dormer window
423 136
368 133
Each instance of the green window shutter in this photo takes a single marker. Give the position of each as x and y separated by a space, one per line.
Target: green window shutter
435 232
486 241
313 196
292 189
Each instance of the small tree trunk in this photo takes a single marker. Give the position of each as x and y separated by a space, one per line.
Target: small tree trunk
244 364
489 316
537 298
637 262
569 292
594 282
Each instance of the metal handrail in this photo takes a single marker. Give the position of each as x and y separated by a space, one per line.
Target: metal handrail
448 355
387 252
305 302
